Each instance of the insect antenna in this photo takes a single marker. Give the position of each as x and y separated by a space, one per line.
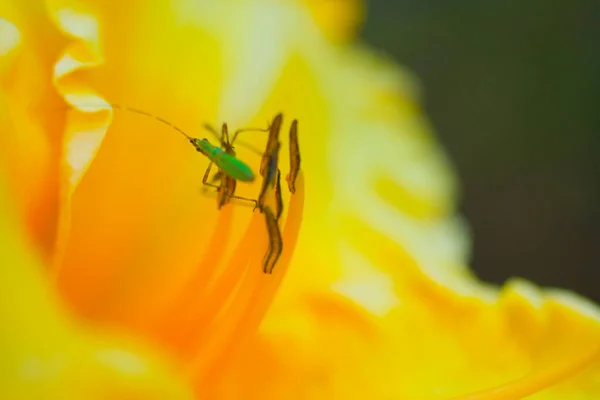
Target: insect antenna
147 114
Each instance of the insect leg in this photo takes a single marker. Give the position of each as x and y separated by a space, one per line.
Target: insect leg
205 178
248 146
218 176
235 134
223 137
212 130
221 189
227 191
227 188
273 129
255 202
227 145
267 129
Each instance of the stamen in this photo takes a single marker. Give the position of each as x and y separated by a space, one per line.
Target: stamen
265 289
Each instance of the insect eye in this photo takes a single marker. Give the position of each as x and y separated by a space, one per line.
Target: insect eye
194 143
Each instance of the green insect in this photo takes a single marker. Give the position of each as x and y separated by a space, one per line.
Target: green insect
231 168
224 158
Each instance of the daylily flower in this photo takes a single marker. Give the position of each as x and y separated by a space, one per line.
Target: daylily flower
120 278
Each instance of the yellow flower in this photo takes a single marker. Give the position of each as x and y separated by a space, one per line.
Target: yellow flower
377 301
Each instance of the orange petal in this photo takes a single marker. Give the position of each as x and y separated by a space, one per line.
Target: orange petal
82 140
139 207
31 151
45 353
250 304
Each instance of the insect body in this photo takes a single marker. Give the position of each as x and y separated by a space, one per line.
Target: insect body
224 158
232 169
226 162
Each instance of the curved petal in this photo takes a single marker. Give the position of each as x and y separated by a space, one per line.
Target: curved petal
424 328
81 141
31 151
141 221
461 343
146 178
476 336
378 293
45 354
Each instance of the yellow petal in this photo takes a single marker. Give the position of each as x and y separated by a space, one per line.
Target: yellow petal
391 220
81 141
339 19
136 223
378 302
45 354
32 155
146 178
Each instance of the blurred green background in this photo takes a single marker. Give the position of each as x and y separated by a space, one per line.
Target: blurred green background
513 90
